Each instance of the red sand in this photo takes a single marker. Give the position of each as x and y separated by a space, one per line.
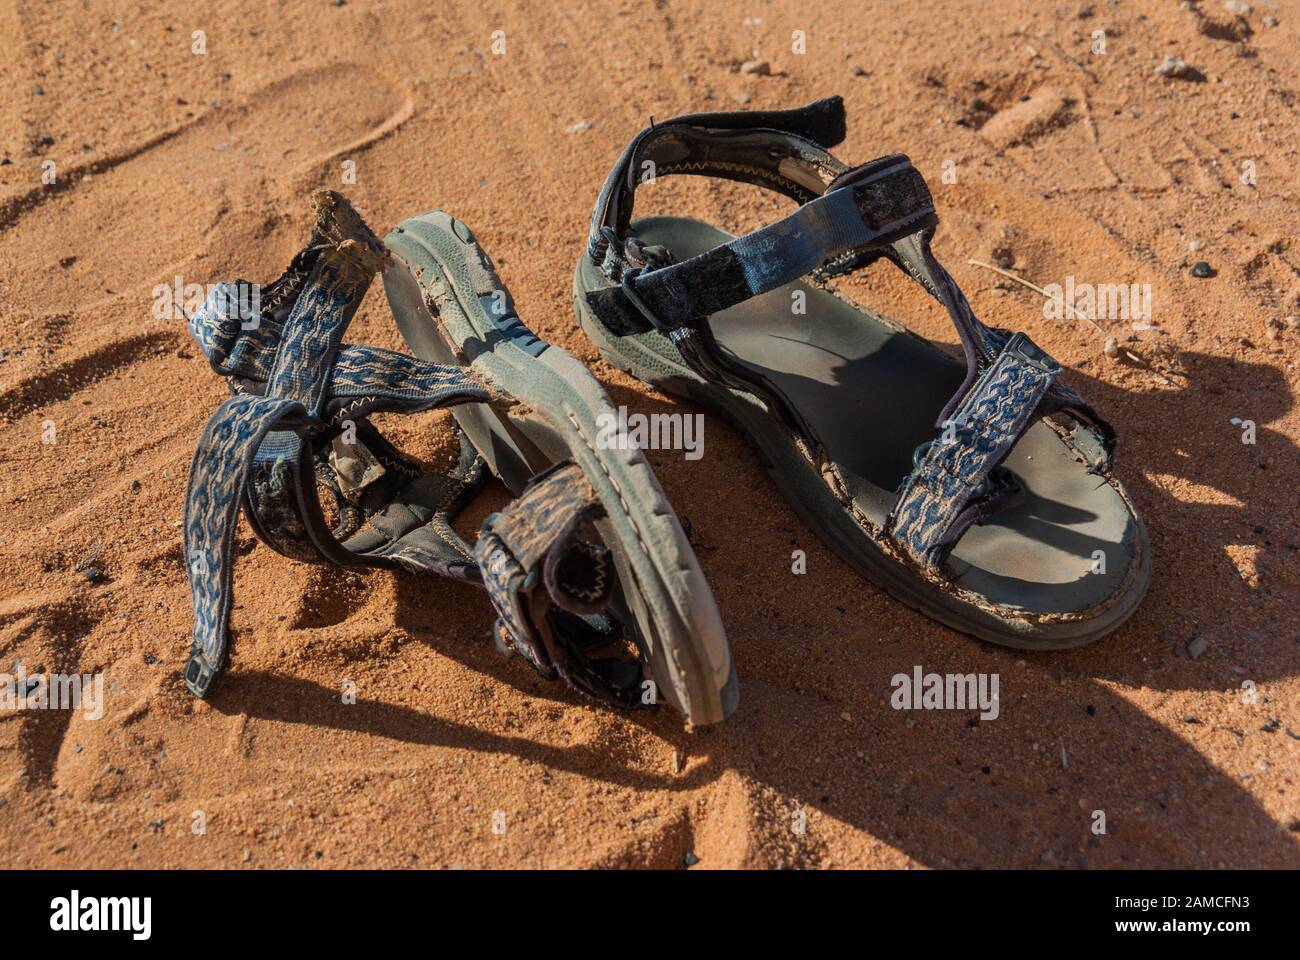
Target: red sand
170 163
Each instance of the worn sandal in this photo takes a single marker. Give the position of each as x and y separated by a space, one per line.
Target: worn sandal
298 423
452 308
981 495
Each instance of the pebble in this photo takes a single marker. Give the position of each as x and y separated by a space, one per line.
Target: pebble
93 574
1202 269
1196 646
1236 7
1176 68
1111 349
690 859
578 127
38 90
759 68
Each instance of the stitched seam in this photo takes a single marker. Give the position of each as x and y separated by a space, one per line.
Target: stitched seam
760 172
612 482
598 589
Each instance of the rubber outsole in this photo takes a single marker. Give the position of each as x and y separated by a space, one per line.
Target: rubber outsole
452 308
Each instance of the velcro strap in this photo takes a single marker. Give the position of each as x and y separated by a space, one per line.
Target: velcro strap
954 471
212 498
875 204
532 544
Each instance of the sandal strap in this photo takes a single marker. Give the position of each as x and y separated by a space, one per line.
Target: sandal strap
871 206
781 150
549 587
850 217
950 487
298 396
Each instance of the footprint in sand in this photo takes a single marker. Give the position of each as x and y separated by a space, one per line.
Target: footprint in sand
78 242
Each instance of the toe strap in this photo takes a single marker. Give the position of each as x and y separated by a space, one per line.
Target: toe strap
956 481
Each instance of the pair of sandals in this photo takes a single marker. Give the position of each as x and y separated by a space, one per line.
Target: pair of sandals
982 494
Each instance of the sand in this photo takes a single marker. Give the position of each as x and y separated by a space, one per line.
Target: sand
1067 163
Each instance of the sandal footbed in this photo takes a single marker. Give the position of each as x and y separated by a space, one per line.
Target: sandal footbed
871 392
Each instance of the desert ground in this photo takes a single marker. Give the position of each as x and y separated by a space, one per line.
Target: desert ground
128 158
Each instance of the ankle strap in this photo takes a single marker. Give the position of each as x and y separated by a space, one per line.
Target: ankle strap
782 150
871 206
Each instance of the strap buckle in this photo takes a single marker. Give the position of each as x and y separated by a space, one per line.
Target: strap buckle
199 674
642 307
1023 348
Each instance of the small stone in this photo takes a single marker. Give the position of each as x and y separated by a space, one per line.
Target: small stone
1004 257
93 574
1270 21
857 71
248 855
1196 646
1202 269
1111 349
1271 726
1176 68
1236 7
38 90
742 96
690 859
759 68
578 127
1191 719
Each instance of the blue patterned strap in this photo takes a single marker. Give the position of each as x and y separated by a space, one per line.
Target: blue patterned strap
295 412
549 586
941 497
239 347
312 305
212 499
